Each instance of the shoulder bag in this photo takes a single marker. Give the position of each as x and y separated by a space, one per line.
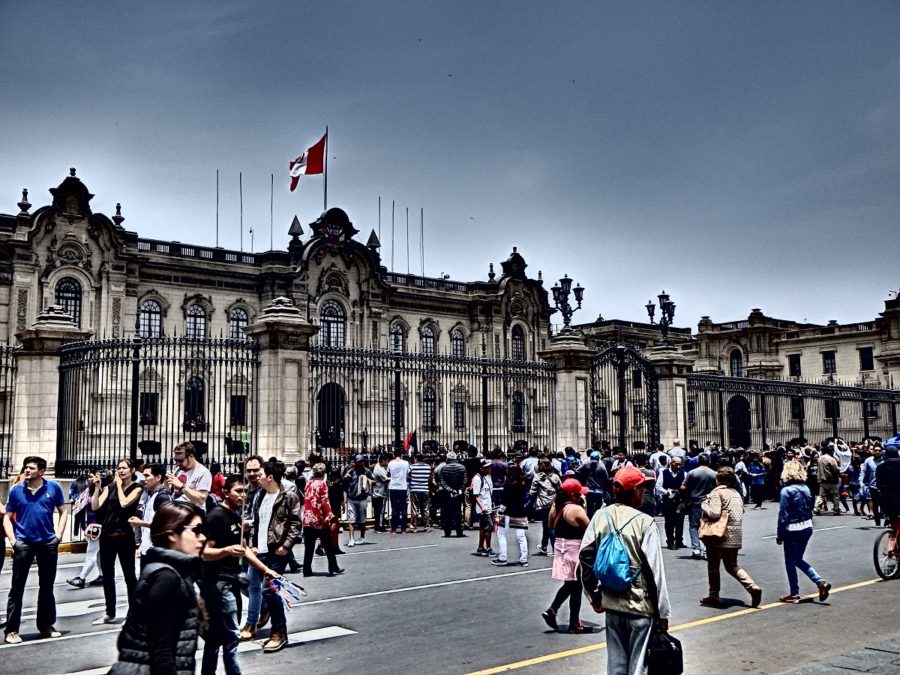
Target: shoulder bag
664 653
714 531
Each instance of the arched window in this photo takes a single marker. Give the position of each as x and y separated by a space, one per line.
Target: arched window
427 335
457 343
429 409
519 413
737 363
195 324
150 319
237 322
195 404
517 353
68 296
334 323
397 338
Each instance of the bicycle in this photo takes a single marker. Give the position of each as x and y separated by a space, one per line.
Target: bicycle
886 553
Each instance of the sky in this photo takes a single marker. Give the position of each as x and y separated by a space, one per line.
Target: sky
735 154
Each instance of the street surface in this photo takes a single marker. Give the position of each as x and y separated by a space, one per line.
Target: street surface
421 604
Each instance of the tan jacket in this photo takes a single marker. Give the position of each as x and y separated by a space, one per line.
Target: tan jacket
725 499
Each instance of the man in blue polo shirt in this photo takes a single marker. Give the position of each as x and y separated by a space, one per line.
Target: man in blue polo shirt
29 527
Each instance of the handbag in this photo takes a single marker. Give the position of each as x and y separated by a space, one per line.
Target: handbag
714 531
664 654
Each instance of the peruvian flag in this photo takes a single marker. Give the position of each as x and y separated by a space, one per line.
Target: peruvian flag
411 441
310 162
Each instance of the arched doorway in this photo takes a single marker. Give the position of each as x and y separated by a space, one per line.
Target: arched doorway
738 412
330 405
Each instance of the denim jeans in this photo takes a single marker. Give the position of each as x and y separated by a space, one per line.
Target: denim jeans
627 636
255 595
398 509
694 513
24 553
277 563
222 609
547 534
794 547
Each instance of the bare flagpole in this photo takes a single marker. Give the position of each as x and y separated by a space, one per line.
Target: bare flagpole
422 238
392 235
241 189
407 240
217 208
271 211
379 217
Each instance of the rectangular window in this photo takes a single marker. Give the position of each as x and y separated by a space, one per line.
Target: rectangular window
149 408
829 364
692 414
872 409
238 410
637 380
459 414
602 419
866 359
638 410
832 409
797 408
794 369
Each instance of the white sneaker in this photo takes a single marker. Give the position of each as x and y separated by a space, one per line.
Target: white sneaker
361 542
106 618
351 543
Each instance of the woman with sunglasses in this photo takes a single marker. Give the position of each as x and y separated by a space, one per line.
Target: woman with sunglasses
115 504
164 620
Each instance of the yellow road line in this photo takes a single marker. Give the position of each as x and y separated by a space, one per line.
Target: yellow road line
683 626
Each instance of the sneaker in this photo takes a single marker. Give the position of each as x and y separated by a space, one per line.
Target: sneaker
351 543
491 553
499 563
523 564
549 618
106 618
540 551
248 632
96 582
479 551
13 639
50 632
824 590
361 542
755 597
77 582
580 628
793 599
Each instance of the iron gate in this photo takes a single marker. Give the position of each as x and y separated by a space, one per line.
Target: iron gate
142 396
7 398
624 400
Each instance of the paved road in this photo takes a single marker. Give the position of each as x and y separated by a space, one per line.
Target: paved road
420 603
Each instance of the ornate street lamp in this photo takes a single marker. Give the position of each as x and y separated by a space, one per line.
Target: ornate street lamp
667 312
561 293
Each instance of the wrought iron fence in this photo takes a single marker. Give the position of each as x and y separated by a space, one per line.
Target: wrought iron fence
7 399
141 397
362 400
744 412
624 399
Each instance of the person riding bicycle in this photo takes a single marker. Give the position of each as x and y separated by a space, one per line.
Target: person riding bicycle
887 477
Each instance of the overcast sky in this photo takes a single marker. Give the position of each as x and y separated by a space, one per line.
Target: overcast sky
737 154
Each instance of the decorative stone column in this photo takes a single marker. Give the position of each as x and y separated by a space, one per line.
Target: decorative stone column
282 413
572 359
36 404
672 368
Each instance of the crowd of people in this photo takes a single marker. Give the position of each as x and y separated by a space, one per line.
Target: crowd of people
234 536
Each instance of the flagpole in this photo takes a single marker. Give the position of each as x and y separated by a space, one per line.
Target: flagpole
407 240
392 235
422 238
379 217
241 191
271 211
326 168
217 208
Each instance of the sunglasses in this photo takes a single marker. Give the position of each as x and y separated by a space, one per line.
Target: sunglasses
198 530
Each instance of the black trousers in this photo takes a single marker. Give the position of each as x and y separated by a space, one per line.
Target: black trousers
121 547
451 512
674 524
571 591
24 554
313 535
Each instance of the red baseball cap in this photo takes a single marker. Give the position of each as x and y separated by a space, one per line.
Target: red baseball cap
572 486
627 478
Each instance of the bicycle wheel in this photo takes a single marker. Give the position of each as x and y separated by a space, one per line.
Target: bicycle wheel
885 554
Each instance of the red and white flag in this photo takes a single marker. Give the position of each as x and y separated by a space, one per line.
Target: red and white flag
310 162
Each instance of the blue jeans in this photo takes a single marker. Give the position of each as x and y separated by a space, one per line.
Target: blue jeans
398 509
24 553
254 591
694 513
222 610
277 563
794 547
627 636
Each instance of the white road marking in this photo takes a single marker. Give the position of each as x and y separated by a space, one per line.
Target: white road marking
302 637
76 608
439 584
819 529
388 550
71 636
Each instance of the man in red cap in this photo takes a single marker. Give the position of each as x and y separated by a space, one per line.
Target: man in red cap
629 613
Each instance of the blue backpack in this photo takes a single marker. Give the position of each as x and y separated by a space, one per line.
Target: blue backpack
612 565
